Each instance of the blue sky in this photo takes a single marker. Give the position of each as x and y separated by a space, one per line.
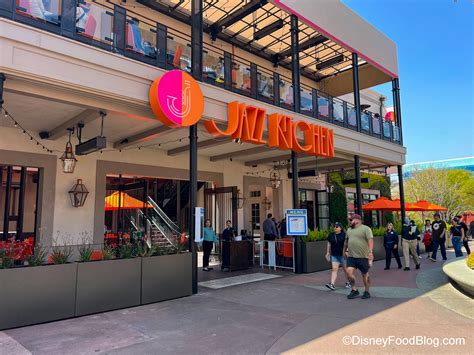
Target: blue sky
435 59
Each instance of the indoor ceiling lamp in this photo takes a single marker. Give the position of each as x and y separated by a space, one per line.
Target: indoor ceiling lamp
78 194
68 158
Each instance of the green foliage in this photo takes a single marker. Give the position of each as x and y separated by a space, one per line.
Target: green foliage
85 252
337 200
316 235
108 252
61 254
450 188
38 257
126 251
6 258
378 232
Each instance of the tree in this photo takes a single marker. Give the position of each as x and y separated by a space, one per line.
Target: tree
453 189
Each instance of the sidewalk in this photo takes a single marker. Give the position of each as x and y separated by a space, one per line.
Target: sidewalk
286 314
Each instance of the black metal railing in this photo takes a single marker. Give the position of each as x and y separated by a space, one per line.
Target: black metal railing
119 30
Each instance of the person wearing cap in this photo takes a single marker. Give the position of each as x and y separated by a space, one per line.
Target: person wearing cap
358 248
334 253
390 242
438 237
457 236
410 235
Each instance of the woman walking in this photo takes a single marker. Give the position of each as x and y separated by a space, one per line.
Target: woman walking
334 254
209 239
390 242
427 237
457 236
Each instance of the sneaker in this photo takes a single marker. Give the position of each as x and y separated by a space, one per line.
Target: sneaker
420 256
210 268
406 269
205 269
433 260
365 295
353 294
417 266
348 284
386 268
399 267
445 259
330 286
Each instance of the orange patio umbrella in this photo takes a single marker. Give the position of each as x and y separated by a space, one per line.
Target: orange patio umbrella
385 204
126 202
423 205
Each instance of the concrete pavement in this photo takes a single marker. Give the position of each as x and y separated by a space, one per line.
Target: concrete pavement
288 314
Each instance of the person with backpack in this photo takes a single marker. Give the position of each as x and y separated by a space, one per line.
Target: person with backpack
438 236
457 236
390 242
334 253
465 240
410 237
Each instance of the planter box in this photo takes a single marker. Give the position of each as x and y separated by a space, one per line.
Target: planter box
379 249
107 285
166 277
313 256
37 294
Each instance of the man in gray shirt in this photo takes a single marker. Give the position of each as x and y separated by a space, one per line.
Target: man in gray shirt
269 228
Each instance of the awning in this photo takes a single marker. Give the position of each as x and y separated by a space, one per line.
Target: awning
126 202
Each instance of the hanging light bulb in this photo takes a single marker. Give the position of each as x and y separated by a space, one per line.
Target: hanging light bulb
68 158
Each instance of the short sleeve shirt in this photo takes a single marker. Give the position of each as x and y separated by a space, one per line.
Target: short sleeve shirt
358 241
456 231
438 228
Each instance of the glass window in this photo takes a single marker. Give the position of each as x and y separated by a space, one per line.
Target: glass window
351 116
286 93
213 67
306 101
141 38
338 110
265 85
386 129
179 53
396 134
255 216
241 77
45 10
376 124
365 121
350 202
255 193
323 106
94 21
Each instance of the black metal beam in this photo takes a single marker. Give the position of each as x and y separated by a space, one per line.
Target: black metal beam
304 46
397 106
21 205
355 82
295 62
402 192
331 61
2 81
358 184
269 29
235 16
6 210
196 64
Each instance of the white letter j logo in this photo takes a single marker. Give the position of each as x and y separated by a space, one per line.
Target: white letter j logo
186 102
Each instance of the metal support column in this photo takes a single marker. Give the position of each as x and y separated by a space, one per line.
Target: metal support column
6 211
397 107
355 82
21 205
295 62
402 192
358 185
296 204
2 80
196 65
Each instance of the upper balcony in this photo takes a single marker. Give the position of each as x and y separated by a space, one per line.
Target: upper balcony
248 53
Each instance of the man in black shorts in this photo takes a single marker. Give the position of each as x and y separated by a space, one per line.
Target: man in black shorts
358 250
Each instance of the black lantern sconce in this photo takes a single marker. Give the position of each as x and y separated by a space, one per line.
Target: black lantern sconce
68 158
275 178
78 194
267 203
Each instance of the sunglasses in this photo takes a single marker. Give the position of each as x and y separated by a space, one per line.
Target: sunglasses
349 219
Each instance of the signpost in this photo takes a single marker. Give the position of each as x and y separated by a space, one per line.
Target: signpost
296 222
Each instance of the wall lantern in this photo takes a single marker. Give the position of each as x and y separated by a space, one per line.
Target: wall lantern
267 203
78 194
239 199
68 158
275 179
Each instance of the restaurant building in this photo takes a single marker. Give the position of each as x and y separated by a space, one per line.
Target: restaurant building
273 90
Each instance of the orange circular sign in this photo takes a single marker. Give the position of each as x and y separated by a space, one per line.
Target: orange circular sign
176 99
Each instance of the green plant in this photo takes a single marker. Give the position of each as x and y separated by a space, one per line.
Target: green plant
378 231
38 257
316 235
6 258
61 254
108 252
85 252
126 251
397 227
143 250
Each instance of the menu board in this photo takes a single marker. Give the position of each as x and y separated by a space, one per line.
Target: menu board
296 222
